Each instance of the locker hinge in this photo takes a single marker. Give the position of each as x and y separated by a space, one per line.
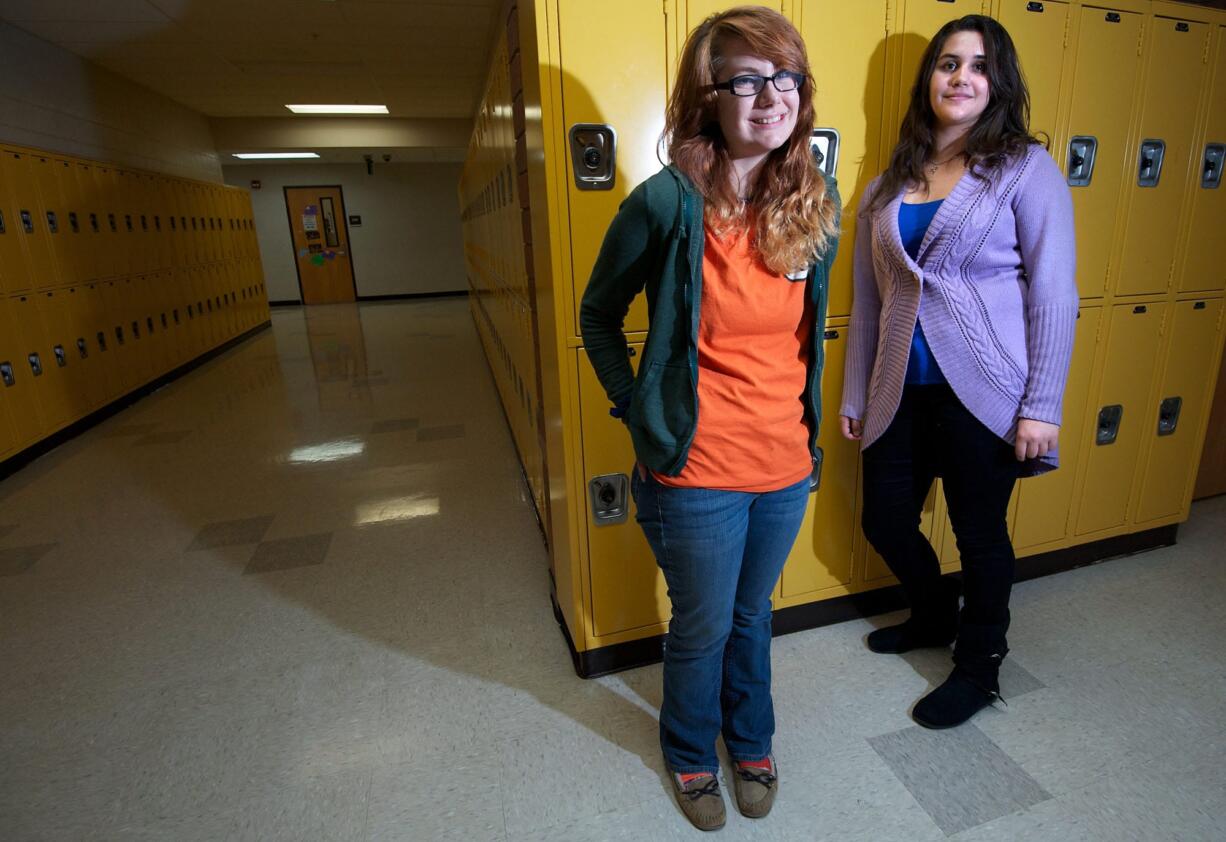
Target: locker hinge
889 14
1140 37
1068 18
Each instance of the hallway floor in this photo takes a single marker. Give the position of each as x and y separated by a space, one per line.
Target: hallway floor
300 594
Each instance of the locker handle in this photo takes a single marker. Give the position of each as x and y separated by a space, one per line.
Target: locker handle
2 222
73 222
27 221
165 324
149 323
36 365
1034 7
6 372
825 145
119 334
127 221
1140 308
1199 305
831 334
608 494
1211 175
1153 151
82 347
93 222
53 224
1113 17
1182 27
61 359
101 337
1168 415
1109 418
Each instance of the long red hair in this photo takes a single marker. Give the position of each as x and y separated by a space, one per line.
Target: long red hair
793 217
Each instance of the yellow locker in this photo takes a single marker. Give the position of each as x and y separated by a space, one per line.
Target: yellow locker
917 22
147 239
1204 261
1097 133
8 436
631 101
117 217
627 588
99 338
821 558
1121 410
1038 30
60 310
14 270
30 319
91 221
849 74
1044 502
1161 153
1178 408
126 361
18 389
53 216
31 219
105 214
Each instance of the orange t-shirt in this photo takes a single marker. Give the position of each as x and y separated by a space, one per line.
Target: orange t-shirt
753 349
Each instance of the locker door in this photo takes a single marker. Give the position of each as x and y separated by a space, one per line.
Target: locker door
161 223
1044 502
14 270
18 391
30 318
849 83
30 220
1177 410
140 290
821 558
1173 84
105 214
51 184
1204 261
119 253
125 362
100 341
627 588
59 309
1131 360
918 21
632 101
1106 61
1037 30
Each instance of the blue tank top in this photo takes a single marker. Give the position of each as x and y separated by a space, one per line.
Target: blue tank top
913 222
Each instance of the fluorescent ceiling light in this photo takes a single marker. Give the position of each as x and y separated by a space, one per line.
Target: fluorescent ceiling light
262 155
338 109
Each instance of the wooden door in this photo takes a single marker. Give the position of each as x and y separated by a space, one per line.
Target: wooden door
321 244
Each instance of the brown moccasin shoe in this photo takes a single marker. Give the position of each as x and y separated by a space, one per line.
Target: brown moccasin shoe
755 788
701 801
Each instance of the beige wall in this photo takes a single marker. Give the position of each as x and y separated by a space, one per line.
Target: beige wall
52 99
409 240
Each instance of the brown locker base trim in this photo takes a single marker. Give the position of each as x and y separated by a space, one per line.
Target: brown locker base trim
41 447
409 296
650 650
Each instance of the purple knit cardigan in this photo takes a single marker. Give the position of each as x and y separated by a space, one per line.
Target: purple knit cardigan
994 289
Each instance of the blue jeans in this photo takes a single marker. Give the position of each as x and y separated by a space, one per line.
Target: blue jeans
721 553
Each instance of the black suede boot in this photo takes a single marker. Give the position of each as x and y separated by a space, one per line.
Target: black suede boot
933 623
973 684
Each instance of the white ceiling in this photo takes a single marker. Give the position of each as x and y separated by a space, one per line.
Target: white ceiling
249 58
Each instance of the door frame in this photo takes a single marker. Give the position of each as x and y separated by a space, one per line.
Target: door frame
289 218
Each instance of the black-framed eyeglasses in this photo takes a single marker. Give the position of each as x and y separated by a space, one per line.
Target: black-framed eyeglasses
752 84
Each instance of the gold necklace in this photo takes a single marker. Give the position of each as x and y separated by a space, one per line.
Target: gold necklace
931 169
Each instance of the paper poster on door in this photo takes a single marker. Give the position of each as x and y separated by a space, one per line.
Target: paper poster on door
310 222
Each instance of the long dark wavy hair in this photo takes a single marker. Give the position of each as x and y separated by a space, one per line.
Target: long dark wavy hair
1002 131
793 214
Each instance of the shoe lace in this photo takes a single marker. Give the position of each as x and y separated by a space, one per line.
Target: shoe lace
711 787
754 775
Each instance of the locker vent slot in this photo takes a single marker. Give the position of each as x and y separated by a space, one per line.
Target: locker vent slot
608 494
1168 415
1109 418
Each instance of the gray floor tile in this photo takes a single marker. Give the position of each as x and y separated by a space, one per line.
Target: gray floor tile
288 553
450 797
17 560
959 776
394 425
229 533
166 437
453 431
1016 681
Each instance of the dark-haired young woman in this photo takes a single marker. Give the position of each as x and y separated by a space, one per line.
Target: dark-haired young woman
733 242
960 340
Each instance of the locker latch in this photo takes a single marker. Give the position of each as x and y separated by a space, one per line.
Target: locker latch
6 371
165 324
593 155
608 493
1168 415
149 324
127 221
1109 418
36 365
1211 172
175 314
1149 168
825 145
144 223
110 217
73 222
61 359
93 222
1082 151
135 329
27 221
101 337
1034 7
53 224
1 221
119 334
82 347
